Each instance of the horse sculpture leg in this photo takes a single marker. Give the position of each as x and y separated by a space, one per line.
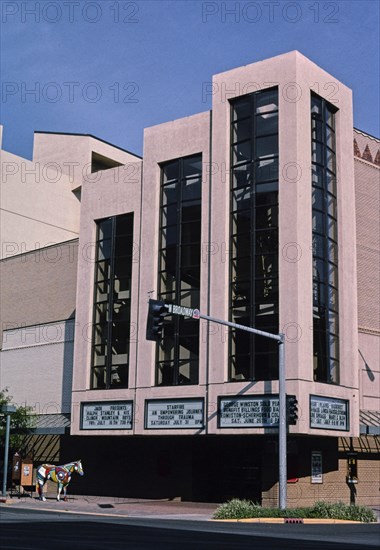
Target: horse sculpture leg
41 480
60 486
40 487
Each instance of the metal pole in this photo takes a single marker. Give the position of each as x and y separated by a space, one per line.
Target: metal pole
282 467
6 450
278 337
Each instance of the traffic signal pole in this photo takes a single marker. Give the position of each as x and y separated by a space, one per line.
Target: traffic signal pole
156 313
282 466
282 450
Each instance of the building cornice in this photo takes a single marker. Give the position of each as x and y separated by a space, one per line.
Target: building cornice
366 330
367 162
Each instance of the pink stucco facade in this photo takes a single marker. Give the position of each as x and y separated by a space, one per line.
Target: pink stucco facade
208 135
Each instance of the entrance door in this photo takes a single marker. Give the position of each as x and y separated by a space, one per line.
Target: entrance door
226 467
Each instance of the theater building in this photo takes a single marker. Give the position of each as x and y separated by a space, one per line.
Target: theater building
259 212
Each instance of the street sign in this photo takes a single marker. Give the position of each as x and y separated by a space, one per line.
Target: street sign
183 311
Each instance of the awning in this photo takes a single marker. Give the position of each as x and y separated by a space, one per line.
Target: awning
47 424
369 422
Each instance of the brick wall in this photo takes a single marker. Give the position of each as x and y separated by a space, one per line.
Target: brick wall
334 460
38 287
367 195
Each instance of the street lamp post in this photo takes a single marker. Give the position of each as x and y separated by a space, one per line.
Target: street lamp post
7 410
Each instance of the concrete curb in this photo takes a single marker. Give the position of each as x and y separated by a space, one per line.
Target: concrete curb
293 521
175 513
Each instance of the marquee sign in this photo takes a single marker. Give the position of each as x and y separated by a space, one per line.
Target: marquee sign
259 411
329 413
174 413
107 415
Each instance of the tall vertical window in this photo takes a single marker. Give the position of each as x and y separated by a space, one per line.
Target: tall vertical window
112 302
325 242
179 268
254 235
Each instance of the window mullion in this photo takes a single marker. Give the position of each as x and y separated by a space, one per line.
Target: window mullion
326 262
110 306
178 271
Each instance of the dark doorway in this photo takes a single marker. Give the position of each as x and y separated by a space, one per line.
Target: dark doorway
226 467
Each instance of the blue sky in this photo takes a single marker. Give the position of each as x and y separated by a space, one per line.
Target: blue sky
113 68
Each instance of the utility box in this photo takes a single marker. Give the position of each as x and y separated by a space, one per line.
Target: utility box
26 472
22 475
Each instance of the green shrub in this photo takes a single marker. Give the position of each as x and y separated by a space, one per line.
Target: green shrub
236 509
244 509
339 510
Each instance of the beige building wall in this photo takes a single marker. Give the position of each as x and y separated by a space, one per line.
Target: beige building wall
38 287
73 153
38 298
40 359
40 198
38 208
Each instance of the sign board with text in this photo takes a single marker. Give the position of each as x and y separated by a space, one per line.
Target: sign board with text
107 415
161 414
26 472
316 467
259 411
329 413
183 311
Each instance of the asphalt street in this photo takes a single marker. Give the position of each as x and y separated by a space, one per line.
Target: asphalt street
29 529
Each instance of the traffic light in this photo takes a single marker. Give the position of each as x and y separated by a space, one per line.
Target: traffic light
156 314
291 410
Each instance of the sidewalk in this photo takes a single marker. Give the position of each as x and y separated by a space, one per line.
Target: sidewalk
119 507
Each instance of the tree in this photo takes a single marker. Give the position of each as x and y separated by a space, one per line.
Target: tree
20 421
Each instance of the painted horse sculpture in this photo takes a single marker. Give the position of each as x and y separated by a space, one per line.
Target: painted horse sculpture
59 474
